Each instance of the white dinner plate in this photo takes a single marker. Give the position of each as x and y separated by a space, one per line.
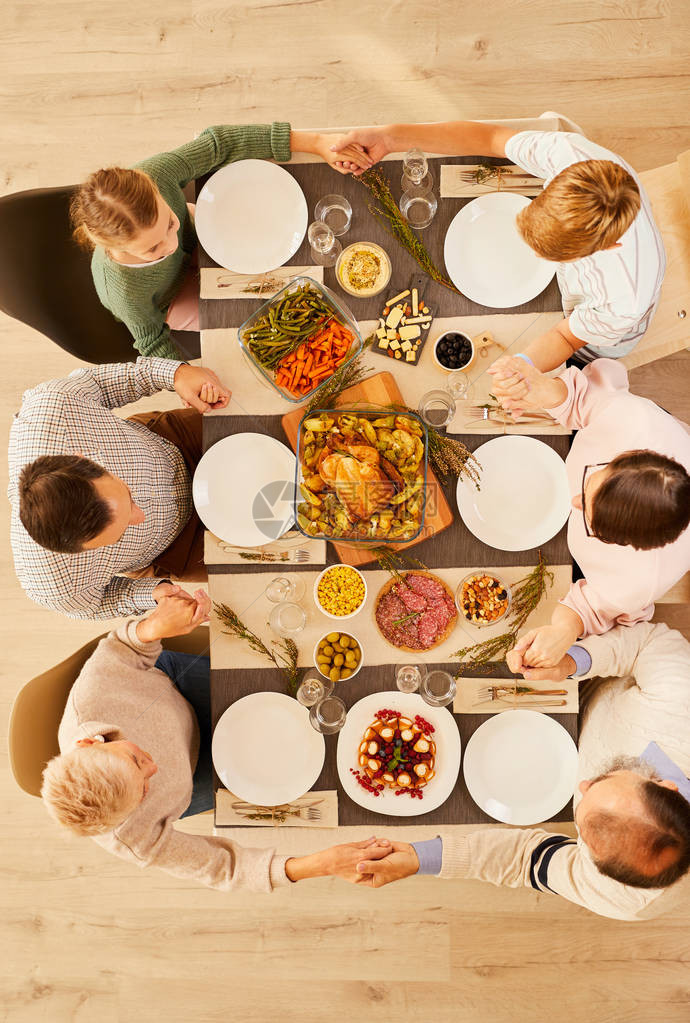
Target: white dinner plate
524 498
520 767
486 258
251 216
265 751
446 737
244 489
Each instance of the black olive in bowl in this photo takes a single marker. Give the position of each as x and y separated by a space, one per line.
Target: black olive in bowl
453 350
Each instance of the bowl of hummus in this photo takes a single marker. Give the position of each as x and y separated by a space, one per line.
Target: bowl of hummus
363 269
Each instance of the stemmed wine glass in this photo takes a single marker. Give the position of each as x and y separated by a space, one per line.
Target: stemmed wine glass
416 173
325 247
408 678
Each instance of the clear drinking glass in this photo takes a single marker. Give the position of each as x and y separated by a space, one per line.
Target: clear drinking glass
416 171
437 688
328 715
459 386
408 678
312 690
436 408
281 589
325 247
336 212
287 619
418 205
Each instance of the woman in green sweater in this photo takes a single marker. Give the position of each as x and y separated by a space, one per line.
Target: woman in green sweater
140 229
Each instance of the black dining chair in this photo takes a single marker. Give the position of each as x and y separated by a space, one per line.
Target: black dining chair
46 282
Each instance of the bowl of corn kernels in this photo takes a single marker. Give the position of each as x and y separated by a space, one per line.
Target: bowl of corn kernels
338 656
340 591
482 599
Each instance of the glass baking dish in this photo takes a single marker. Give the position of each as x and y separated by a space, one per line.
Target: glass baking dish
339 312
329 523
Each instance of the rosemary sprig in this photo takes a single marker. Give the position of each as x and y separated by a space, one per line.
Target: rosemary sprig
264 556
406 618
385 209
526 596
485 172
284 656
347 376
451 459
482 655
396 562
528 593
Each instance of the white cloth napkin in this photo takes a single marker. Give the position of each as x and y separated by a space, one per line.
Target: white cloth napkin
219 283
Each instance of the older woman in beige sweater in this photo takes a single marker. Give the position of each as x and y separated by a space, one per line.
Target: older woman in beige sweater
129 744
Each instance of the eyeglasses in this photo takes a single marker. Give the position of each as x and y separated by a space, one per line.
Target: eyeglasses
585 476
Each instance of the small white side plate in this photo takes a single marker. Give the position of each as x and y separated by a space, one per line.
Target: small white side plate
520 767
486 258
244 488
265 750
524 498
251 216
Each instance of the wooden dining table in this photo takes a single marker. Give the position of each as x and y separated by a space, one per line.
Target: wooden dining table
235 671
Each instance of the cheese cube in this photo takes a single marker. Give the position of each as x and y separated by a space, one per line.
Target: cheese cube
383 343
411 356
392 335
395 344
381 332
406 346
394 316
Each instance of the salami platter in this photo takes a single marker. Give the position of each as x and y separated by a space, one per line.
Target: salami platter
415 611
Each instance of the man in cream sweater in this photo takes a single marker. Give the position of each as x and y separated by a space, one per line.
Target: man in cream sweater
631 857
135 743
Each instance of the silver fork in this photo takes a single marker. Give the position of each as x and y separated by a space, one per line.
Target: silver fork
491 693
499 415
309 813
300 556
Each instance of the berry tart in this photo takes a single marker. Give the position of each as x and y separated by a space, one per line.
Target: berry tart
397 753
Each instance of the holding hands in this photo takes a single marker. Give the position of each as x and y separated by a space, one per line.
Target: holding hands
373 862
372 143
519 385
200 388
177 614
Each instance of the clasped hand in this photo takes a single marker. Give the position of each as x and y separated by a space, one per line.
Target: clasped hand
200 388
374 862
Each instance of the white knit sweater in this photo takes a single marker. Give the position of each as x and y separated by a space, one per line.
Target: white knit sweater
643 696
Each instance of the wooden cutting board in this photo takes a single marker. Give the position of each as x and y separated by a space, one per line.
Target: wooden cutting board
380 389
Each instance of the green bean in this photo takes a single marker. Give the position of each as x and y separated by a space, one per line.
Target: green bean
280 330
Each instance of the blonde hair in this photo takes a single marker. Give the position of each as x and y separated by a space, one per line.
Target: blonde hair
112 206
89 790
586 208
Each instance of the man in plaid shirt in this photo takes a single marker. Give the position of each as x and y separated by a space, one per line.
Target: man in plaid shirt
145 491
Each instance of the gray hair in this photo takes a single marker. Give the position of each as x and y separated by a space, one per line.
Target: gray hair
636 764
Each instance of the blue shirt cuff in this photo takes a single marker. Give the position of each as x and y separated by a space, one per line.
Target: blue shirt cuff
521 355
430 855
583 661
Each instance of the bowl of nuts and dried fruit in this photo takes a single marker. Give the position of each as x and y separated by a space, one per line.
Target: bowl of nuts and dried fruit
482 599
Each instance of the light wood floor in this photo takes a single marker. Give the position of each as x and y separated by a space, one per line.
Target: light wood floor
84 936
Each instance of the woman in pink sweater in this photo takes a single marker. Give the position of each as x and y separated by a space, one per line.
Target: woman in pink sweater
628 475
